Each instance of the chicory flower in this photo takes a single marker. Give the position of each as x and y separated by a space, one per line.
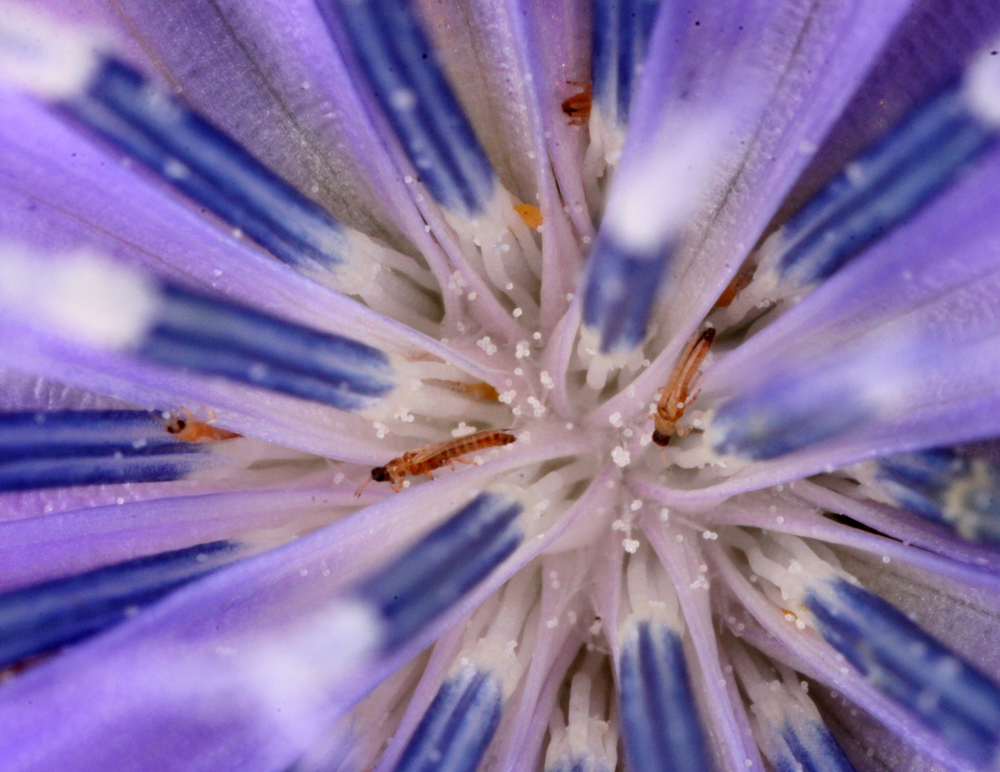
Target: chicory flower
266 268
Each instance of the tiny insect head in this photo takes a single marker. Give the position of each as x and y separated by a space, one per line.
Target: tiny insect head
660 438
379 474
175 424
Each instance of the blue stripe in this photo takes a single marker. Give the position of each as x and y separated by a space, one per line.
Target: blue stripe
457 728
586 763
214 337
621 293
90 447
882 188
660 722
619 43
935 468
411 89
67 433
61 473
204 163
41 618
943 486
938 688
813 750
786 414
604 53
443 566
918 482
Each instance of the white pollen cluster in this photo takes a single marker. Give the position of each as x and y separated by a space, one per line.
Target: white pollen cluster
463 430
403 415
456 283
487 345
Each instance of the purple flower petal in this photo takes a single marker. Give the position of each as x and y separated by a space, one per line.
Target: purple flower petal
813 657
55 545
231 64
730 728
59 211
558 642
806 77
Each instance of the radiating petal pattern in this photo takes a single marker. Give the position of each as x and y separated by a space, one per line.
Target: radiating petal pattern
334 336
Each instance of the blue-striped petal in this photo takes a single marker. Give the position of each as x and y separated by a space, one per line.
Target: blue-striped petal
215 337
37 619
944 486
411 89
457 728
659 719
942 691
810 748
201 161
880 189
90 447
622 287
620 31
449 561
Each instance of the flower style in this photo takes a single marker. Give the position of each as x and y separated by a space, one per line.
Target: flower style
687 310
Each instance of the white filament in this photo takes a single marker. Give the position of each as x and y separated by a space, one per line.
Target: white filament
500 246
507 646
589 728
650 592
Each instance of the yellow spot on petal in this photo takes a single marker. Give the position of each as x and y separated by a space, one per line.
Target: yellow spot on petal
530 214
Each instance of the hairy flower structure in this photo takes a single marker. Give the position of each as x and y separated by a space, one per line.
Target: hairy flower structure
412 385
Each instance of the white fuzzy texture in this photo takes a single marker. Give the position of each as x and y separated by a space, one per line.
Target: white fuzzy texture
982 85
299 667
650 593
42 56
657 192
506 647
80 296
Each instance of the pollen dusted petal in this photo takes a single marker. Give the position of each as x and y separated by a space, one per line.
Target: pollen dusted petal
457 726
954 700
91 447
660 722
47 616
412 90
443 566
515 565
